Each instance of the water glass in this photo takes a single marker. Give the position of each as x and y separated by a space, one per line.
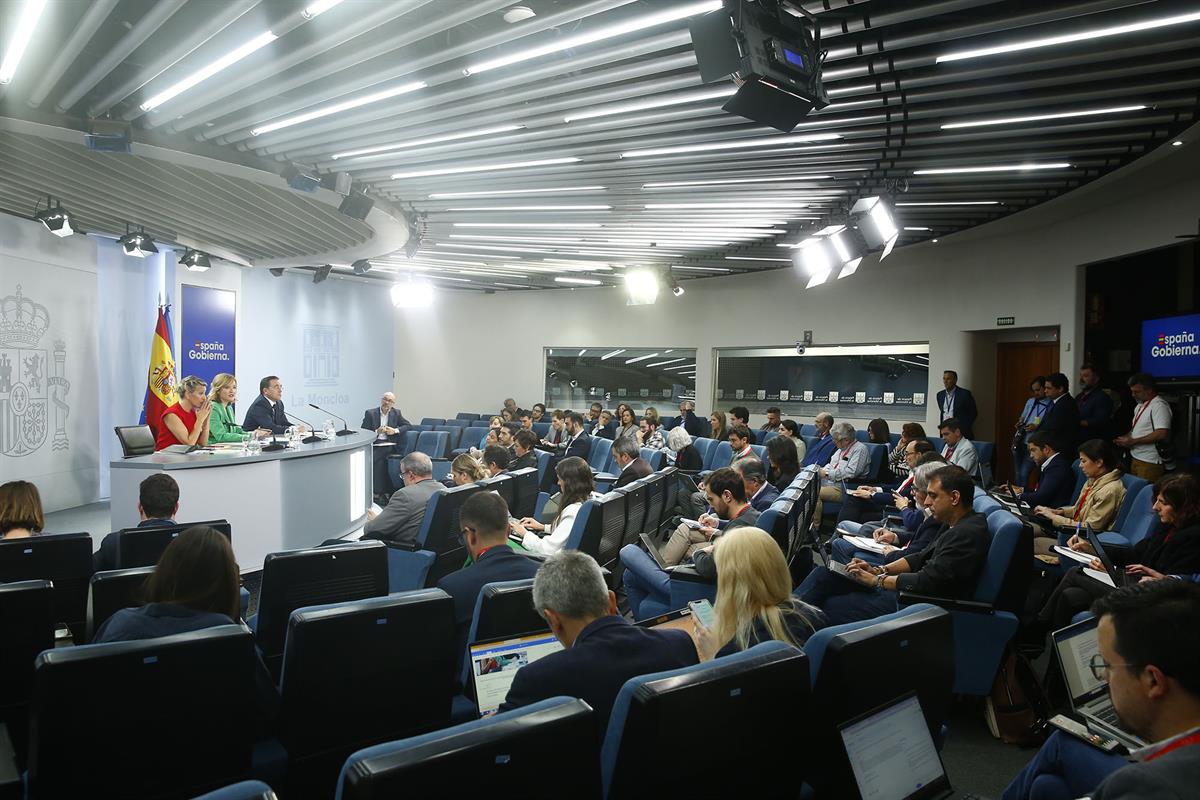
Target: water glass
330 430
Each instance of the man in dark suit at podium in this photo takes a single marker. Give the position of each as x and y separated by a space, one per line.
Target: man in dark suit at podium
390 423
266 411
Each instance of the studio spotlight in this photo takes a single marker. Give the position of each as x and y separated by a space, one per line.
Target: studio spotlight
322 273
873 220
301 180
137 243
356 206
642 285
676 289
361 267
109 136
195 261
56 219
276 271
412 294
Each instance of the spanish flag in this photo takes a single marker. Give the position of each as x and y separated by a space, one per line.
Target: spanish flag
160 378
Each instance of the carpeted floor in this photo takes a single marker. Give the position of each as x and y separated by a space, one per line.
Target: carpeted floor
975 761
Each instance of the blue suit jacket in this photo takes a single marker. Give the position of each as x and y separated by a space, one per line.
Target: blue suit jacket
500 563
606 653
261 415
768 495
965 410
1055 487
692 424
819 453
1061 420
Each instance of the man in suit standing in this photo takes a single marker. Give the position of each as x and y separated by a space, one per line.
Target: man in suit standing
603 649
1060 419
1057 483
754 478
400 521
628 457
578 443
955 401
1095 406
266 411
484 522
387 421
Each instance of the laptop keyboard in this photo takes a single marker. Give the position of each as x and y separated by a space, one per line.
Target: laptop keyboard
1107 714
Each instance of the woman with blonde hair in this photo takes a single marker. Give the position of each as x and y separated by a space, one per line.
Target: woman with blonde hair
754 597
717 427
186 420
221 425
465 469
20 510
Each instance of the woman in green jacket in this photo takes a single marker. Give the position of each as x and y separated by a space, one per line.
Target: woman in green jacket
222 427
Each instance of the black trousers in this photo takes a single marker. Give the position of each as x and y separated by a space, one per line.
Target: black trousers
1074 593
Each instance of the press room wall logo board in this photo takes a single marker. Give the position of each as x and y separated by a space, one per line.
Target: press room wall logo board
33 379
208 332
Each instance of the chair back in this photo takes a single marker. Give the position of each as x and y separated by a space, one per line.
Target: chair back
432 421
600 457
457 422
656 495
1133 485
113 590
402 647
453 434
863 435
586 532
64 559
506 753
670 494
542 429
1141 519
242 790
502 609
504 486
635 510
1006 536
768 436
408 444
26 629
985 504
768 684
98 726
473 437
441 533
467 415
775 522
611 508
878 454
719 456
525 492
760 452
143 547
1080 480
917 644
317 576
808 430
543 458
136 440
657 459
435 444
703 447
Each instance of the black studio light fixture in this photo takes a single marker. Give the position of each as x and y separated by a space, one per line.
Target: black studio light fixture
56 218
361 267
322 273
195 261
137 243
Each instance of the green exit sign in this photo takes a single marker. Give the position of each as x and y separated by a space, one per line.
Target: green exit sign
1006 320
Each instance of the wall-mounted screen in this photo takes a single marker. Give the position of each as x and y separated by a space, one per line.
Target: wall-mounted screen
1171 347
856 381
576 377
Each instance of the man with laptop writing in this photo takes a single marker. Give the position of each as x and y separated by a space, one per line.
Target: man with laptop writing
1133 672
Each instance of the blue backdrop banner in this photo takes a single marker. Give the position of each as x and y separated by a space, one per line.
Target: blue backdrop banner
207 331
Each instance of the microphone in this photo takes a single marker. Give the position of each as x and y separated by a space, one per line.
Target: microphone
312 437
345 431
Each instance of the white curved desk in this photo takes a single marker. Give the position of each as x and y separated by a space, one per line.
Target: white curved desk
274 501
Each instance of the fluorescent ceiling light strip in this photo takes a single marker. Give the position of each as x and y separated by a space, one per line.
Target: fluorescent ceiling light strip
545 162
1095 33
548 240
766 141
503 192
599 34
337 108
915 228
389 149
661 363
1041 117
449 278
499 247
31 12
996 168
633 255
607 356
652 102
953 203
531 208
733 181
581 352
227 60
684 366
757 258
702 269
731 206
533 225
318 8
513 285
640 358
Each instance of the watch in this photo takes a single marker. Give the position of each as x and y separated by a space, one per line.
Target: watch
879 580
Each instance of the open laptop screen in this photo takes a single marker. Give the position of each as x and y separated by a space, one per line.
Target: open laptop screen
892 753
1075 645
494 664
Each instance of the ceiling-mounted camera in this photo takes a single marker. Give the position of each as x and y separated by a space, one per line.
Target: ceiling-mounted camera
800 348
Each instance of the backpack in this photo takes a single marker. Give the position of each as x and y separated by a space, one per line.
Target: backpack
1016 709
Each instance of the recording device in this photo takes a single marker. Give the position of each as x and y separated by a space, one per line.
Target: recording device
312 437
345 431
800 348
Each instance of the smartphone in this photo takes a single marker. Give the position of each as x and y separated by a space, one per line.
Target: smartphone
702 610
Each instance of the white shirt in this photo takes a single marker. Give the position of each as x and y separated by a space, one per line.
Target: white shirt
1155 418
1046 463
555 537
948 404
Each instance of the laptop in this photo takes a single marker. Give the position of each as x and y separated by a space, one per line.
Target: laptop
680 619
1115 573
652 549
1074 647
893 756
495 663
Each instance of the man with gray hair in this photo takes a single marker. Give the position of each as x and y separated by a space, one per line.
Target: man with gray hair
628 456
896 543
759 492
688 420
400 521
850 461
602 648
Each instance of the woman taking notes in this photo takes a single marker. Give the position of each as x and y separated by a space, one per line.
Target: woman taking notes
186 422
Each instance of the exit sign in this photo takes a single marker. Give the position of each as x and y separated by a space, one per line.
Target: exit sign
1006 320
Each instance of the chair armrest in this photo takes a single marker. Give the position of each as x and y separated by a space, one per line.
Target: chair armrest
686 573
407 547
948 603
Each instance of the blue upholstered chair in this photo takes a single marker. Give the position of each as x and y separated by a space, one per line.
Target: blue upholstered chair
1133 487
438 549
600 456
433 421
718 456
435 444
1139 520
655 713
242 790
985 504
703 448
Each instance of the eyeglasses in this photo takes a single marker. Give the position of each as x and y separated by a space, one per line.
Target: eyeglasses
1100 668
